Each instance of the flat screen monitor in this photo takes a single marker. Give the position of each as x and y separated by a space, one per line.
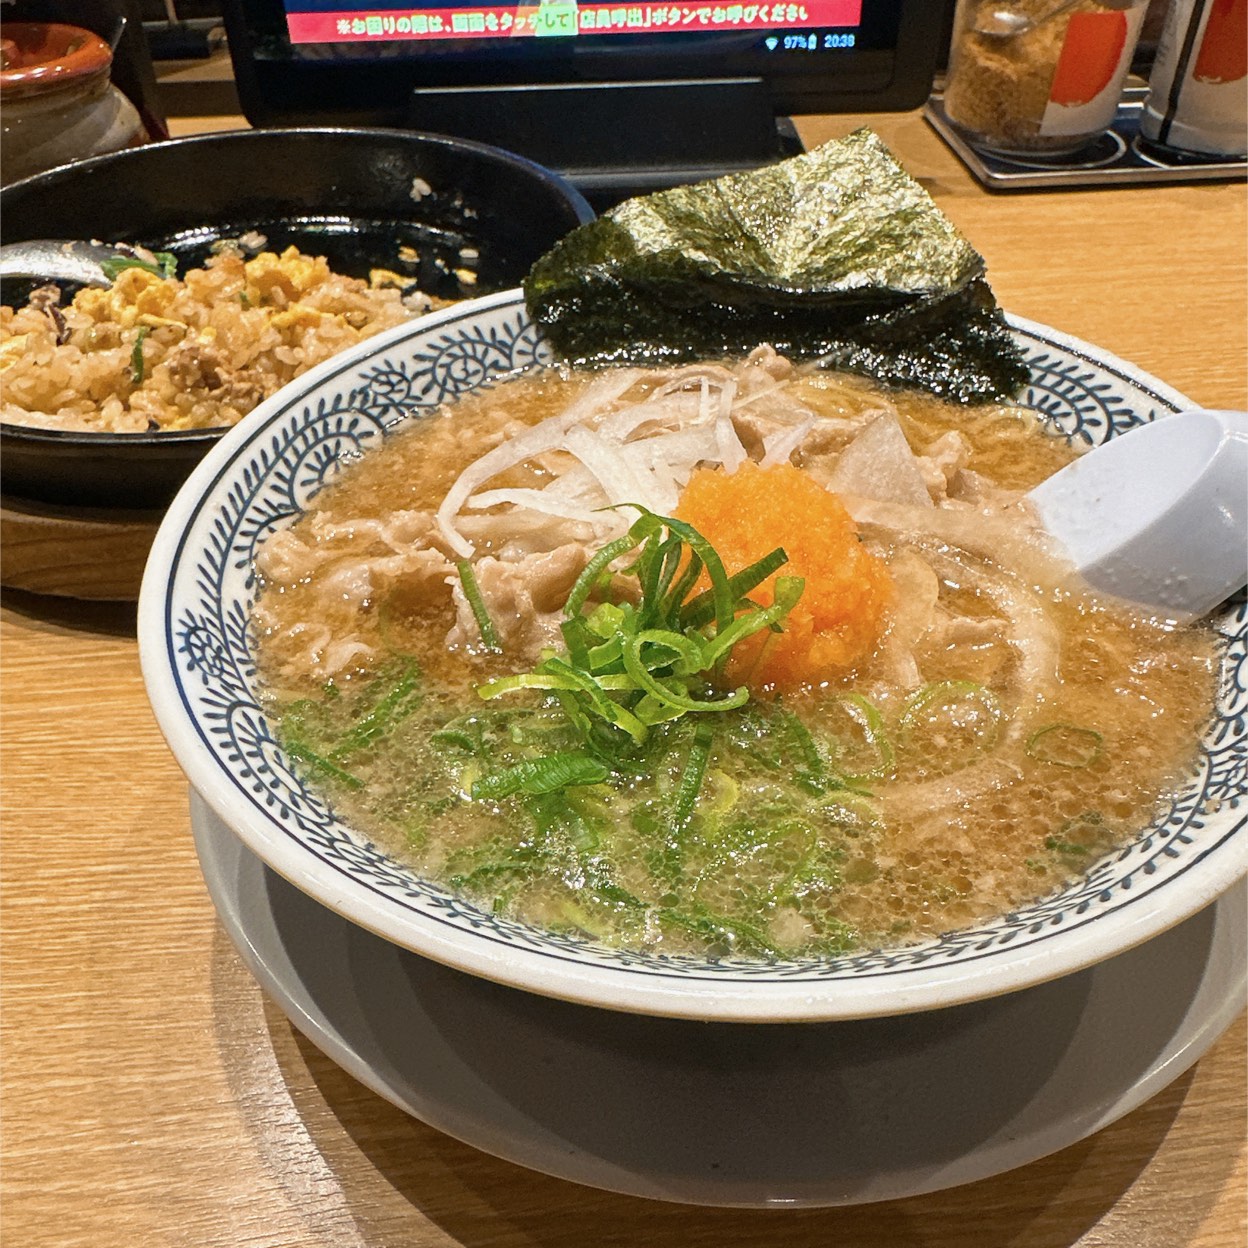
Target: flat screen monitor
620 95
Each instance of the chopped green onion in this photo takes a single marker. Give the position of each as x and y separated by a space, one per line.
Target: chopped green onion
472 592
947 691
699 610
686 654
739 935
721 592
541 775
788 591
655 568
815 774
166 265
458 738
693 775
632 666
518 862
593 570
1068 849
869 719
665 695
331 771
136 355
1065 745
399 702
679 591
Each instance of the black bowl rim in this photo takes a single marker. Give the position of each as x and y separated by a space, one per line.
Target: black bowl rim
257 134
105 437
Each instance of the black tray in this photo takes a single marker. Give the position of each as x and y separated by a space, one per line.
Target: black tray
1119 157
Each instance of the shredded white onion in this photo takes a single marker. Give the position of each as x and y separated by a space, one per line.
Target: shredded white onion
778 447
622 479
548 502
640 452
731 452
548 435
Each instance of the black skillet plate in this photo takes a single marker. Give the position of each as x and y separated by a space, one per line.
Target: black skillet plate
342 193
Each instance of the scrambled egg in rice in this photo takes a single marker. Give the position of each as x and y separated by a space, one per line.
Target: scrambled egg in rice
153 352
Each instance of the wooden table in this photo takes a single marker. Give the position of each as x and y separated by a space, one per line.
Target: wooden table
152 1096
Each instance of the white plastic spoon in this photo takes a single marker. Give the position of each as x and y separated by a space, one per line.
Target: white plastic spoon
1158 515
60 260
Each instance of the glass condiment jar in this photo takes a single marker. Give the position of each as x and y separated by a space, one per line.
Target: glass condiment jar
57 102
1039 76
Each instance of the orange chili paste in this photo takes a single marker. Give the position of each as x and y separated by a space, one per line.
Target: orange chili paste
841 614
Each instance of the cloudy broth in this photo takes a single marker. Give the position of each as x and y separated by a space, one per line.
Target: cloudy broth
975 759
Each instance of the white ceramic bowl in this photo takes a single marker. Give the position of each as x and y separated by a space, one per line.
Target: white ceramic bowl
196 651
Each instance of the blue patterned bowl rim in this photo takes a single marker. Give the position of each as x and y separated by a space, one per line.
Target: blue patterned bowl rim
196 653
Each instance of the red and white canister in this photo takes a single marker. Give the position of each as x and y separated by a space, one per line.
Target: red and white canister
1198 90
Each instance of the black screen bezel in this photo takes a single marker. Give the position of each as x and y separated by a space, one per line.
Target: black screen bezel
284 84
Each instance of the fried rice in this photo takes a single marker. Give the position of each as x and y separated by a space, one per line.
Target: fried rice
154 353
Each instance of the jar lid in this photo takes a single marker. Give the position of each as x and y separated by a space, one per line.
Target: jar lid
45 56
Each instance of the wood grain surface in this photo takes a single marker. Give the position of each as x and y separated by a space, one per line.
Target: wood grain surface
72 553
152 1096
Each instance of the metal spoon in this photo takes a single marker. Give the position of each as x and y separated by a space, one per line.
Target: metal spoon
1005 23
1158 515
60 260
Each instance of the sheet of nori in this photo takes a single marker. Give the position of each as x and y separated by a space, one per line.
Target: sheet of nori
837 253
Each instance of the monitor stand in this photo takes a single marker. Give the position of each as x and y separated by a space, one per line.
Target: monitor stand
615 140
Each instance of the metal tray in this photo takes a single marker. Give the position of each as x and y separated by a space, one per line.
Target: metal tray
1119 157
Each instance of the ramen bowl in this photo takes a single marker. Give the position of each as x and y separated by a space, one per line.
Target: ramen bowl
199 664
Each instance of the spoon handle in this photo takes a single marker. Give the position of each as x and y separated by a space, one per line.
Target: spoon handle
1004 24
57 260
1158 515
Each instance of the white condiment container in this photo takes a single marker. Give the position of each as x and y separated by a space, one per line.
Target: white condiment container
1198 90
